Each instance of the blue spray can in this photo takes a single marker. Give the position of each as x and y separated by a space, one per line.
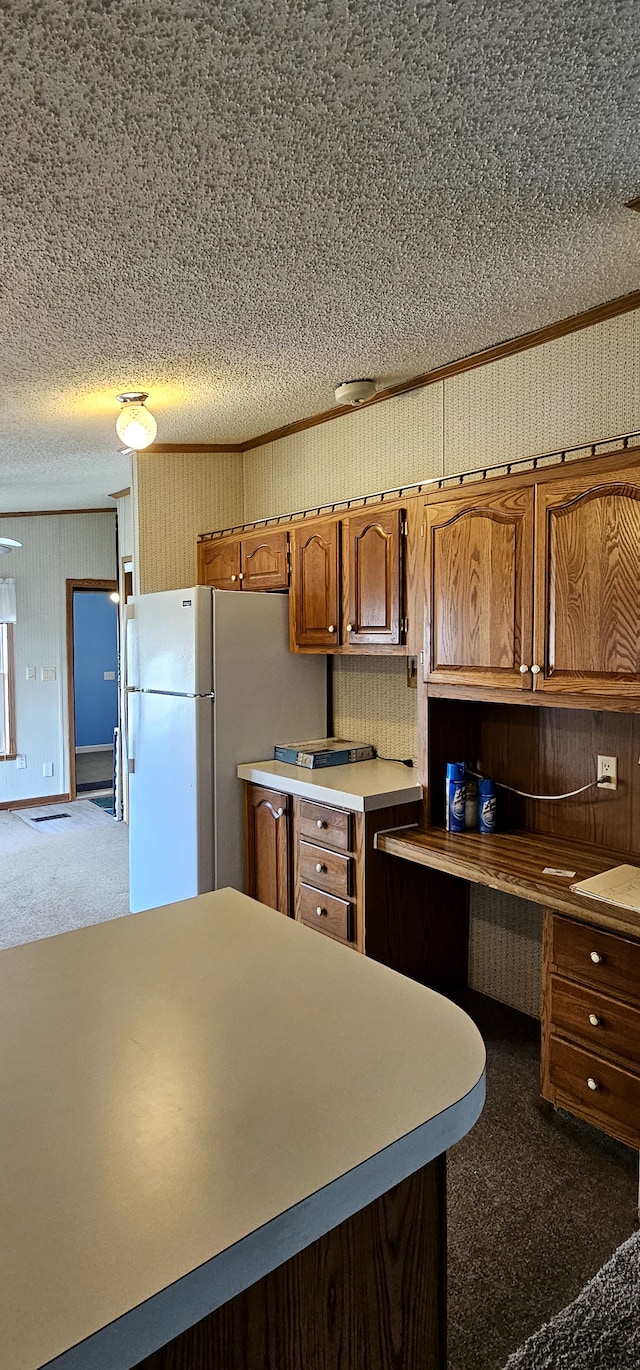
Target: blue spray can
487 805
454 796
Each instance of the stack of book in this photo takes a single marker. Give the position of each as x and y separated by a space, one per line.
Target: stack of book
324 751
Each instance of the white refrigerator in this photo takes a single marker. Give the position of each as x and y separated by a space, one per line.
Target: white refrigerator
210 683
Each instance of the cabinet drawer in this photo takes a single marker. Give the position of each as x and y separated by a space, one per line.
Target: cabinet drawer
614 1103
321 824
600 1023
601 959
326 870
324 912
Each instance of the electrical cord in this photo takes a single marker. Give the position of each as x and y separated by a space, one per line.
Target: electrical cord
404 761
605 779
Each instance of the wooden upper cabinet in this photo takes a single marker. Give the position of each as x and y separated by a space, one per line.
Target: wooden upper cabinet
219 563
267 847
372 553
265 561
315 585
479 571
587 591
259 561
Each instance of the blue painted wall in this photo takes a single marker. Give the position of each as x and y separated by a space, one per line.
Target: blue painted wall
95 649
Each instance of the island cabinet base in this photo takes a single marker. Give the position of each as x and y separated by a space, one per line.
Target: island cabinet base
370 1295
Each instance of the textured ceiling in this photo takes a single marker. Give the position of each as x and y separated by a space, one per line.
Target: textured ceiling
237 205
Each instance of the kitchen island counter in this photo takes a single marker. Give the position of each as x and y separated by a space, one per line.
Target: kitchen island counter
191 1097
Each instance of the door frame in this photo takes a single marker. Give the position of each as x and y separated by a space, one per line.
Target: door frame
72 585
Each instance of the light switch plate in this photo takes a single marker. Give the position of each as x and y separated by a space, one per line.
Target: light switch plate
31 672
47 672
109 675
47 769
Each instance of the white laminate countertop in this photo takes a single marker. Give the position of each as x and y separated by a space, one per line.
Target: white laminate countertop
190 1096
363 786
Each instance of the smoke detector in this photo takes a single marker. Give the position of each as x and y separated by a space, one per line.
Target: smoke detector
355 392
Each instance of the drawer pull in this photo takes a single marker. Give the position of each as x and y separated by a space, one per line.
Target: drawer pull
596 958
320 823
593 1084
322 913
594 1020
320 868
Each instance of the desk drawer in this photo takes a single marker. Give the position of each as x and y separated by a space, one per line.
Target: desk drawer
322 824
325 869
611 1102
603 960
600 1023
326 913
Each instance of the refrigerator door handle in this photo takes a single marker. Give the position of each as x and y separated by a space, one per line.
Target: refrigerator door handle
129 740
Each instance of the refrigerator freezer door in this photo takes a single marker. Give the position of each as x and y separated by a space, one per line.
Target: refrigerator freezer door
169 641
171 850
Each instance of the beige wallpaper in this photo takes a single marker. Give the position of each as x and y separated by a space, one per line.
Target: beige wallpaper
179 496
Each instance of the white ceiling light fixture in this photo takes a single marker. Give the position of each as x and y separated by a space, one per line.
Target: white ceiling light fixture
9 545
355 392
135 426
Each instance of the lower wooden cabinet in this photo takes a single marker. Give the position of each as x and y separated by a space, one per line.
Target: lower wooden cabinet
591 1026
319 863
267 861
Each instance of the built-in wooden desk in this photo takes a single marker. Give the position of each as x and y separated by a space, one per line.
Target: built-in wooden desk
515 862
590 1060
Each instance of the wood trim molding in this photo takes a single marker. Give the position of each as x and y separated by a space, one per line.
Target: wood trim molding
178 448
48 513
120 494
599 313
39 799
71 585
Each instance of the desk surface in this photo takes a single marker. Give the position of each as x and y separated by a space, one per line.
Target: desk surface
515 862
189 1096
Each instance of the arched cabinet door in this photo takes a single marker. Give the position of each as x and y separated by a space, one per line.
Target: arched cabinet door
315 585
587 589
219 563
479 569
266 850
265 561
373 578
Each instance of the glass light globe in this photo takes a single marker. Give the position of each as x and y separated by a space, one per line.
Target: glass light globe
135 426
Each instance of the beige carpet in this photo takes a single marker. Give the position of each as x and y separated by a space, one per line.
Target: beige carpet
51 884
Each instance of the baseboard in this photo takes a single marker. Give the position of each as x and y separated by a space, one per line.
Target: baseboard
31 803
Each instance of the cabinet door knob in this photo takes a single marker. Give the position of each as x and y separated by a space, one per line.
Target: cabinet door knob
241 576
523 670
234 577
535 670
593 1084
320 868
595 957
349 627
331 628
320 823
321 912
594 1020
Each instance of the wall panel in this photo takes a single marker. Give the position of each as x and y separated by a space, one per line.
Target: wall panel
178 496
56 548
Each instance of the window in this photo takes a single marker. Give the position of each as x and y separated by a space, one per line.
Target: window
7 727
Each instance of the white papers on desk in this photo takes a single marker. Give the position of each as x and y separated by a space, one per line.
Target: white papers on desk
620 886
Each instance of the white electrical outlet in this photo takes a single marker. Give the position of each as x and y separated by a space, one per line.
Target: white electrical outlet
47 769
607 772
21 763
47 672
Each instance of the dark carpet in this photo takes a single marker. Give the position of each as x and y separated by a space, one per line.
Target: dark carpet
537 1202
600 1330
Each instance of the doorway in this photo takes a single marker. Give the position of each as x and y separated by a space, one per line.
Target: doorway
92 671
